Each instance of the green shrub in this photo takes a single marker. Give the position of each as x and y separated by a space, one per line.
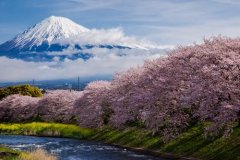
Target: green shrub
20 89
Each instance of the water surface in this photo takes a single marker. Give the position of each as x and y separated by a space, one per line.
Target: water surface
70 149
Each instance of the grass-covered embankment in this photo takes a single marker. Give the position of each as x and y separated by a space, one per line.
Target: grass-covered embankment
192 143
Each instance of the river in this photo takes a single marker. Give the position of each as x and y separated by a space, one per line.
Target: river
70 149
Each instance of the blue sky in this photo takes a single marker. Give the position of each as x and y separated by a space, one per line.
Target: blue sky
173 22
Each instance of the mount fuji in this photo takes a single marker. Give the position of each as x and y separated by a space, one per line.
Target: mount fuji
61 38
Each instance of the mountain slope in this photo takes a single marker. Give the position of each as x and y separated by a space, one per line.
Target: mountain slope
43 34
61 37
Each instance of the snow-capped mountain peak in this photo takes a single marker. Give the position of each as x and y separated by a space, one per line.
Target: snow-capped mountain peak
62 38
50 29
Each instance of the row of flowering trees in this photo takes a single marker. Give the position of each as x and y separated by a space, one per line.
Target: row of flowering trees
194 84
54 106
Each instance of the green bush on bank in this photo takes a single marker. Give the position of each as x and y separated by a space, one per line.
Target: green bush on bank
26 90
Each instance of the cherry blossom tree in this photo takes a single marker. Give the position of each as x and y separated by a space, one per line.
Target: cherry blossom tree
18 108
92 108
193 84
58 105
125 97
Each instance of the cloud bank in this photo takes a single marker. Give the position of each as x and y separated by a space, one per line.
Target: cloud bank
113 36
105 62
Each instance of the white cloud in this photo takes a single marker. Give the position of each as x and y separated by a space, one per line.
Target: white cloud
196 33
114 36
106 62
228 1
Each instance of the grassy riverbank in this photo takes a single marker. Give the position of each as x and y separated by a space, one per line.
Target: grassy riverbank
8 154
46 129
192 143
11 154
189 144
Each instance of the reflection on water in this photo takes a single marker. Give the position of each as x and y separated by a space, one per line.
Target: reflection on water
69 149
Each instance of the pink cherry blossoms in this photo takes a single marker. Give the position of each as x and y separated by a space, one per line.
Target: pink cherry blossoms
57 106
54 106
193 84
90 108
17 108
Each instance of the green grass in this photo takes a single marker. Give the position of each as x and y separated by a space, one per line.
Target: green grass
46 129
191 143
13 154
131 137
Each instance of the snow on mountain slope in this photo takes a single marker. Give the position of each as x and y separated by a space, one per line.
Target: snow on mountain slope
50 29
59 36
47 31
